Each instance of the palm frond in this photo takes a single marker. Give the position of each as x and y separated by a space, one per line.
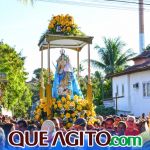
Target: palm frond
124 57
97 64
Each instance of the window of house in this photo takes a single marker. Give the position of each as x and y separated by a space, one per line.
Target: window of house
122 89
146 89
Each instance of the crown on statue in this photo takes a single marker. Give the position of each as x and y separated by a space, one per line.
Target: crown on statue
62 52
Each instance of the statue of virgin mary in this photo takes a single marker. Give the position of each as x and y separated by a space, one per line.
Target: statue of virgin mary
65 82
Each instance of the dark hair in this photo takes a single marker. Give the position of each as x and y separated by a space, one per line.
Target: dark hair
25 125
32 127
103 123
7 128
81 122
96 123
123 123
117 117
110 119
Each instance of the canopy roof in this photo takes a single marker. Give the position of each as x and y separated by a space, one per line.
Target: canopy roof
64 41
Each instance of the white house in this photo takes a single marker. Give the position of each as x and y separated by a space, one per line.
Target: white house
134 85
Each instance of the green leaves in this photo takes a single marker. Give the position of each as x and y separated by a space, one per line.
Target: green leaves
17 95
147 47
111 57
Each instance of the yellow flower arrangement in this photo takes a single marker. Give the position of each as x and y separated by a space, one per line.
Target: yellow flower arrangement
68 109
38 110
76 112
88 113
63 24
79 107
73 115
68 115
45 109
41 121
63 99
74 119
42 105
72 104
62 116
75 98
54 99
68 97
60 105
55 106
69 125
37 117
68 29
68 102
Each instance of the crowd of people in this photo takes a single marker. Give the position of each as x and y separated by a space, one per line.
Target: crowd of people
116 125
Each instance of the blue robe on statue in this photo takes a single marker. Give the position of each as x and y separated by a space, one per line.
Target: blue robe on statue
65 81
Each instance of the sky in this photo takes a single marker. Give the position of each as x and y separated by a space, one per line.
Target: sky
21 26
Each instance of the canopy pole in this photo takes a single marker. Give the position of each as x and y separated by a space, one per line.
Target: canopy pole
48 87
89 87
48 58
89 69
42 88
78 64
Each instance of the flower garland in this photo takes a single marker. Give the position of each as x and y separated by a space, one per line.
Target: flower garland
63 24
68 110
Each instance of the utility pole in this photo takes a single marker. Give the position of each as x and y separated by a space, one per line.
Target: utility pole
141 26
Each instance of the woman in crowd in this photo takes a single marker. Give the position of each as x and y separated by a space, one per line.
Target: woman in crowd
131 127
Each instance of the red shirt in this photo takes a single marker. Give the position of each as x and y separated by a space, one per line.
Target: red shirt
133 132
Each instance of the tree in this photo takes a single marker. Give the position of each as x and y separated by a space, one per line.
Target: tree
147 47
17 94
81 68
101 88
35 82
27 1
83 84
111 58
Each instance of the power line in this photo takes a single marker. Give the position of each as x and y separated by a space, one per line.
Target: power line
129 2
96 4
116 1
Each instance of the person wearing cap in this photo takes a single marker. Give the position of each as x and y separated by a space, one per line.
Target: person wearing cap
131 126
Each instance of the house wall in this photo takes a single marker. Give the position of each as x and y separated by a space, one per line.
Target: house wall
139 103
133 100
123 103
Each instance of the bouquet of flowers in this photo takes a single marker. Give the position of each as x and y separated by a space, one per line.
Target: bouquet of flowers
63 24
67 109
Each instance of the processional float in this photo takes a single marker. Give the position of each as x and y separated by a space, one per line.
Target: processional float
62 33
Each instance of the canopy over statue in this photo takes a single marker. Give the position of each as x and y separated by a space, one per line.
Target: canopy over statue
64 98
65 82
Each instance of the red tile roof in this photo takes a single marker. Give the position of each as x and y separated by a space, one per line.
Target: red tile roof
145 54
135 68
